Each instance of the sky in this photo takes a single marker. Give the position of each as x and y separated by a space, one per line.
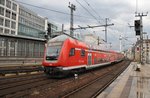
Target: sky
94 12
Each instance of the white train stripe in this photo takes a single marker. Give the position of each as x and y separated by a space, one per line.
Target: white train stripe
97 65
86 66
73 67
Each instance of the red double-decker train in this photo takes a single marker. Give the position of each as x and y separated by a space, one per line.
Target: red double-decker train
64 54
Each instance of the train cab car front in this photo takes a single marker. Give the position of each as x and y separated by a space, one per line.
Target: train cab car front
55 55
51 57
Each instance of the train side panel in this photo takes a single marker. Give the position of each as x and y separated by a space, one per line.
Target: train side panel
77 54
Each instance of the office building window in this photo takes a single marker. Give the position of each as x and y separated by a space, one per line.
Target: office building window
13 25
12 32
1 21
14 7
8 3
2 2
20 19
1 42
6 31
1 11
7 23
1 30
7 13
20 11
14 16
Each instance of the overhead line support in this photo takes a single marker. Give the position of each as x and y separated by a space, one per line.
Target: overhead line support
141 35
92 26
72 8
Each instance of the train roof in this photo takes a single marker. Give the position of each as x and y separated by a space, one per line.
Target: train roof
60 38
63 37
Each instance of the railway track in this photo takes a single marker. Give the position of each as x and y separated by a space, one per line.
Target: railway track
14 84
88 85
19 69
26 85
38 85
96 86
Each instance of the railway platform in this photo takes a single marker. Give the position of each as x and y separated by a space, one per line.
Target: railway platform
132 83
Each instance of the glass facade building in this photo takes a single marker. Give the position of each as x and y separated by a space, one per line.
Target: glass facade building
30 24
22 31
16 19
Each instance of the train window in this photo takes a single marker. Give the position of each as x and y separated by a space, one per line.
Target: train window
72 52
82 52
95 60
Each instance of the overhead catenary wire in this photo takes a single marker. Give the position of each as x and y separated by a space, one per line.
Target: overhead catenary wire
124 38
118 32
99 16
43 8
93 10
87 11
56 11
60 11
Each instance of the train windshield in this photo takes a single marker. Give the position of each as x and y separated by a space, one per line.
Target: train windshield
54 47
53 51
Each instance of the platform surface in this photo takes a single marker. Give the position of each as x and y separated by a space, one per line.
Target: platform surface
130 84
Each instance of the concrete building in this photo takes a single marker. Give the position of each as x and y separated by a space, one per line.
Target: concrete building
8 17
16 19
146 51
92 41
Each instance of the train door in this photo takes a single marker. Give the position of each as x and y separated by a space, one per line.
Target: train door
89 58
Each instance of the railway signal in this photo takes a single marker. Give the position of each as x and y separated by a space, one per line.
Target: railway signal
49 30
137 25
139 31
